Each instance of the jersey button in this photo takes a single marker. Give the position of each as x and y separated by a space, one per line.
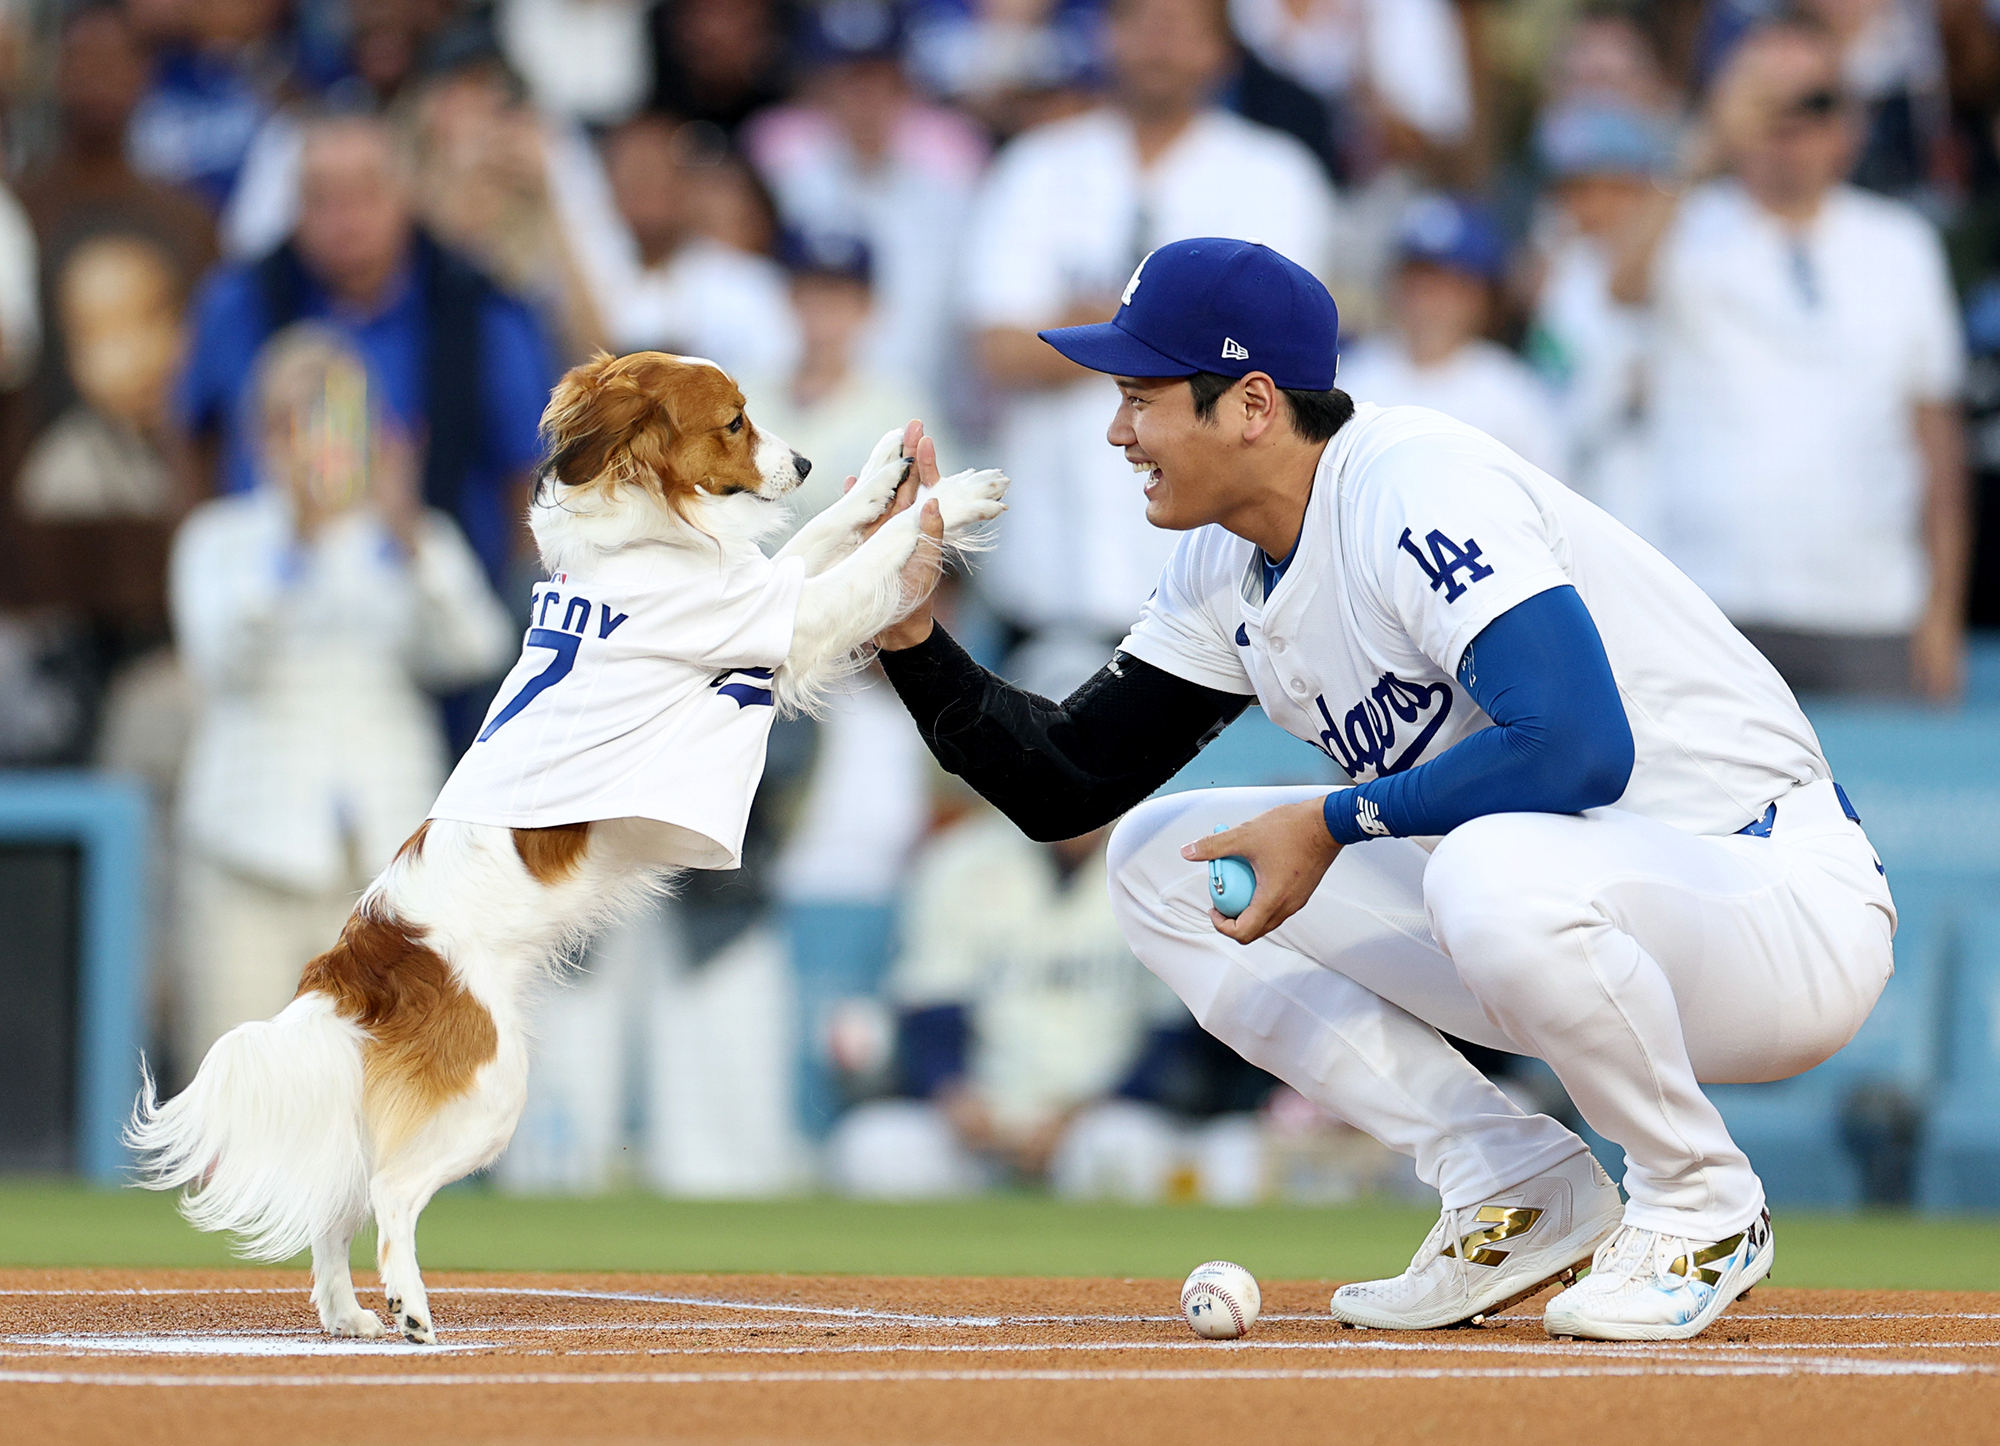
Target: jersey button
1277 645
1299 686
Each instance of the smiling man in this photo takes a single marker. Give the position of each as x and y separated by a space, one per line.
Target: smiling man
1588 821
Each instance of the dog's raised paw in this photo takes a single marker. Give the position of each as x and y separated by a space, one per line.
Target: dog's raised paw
966 499
875 486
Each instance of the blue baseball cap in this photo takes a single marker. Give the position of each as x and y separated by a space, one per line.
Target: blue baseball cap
1214 305
1455 233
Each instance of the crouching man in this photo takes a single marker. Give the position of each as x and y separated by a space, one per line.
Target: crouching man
1589 822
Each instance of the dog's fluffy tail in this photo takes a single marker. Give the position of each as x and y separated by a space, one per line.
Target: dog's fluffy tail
270 1137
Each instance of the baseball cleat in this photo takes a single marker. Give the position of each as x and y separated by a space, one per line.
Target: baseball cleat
1645 1286
1478 1261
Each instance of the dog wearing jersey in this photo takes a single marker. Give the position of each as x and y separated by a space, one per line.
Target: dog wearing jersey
623 748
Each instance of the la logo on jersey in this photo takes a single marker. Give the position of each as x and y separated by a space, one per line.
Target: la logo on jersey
1446 559
1393 713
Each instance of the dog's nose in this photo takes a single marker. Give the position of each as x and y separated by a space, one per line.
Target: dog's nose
801 466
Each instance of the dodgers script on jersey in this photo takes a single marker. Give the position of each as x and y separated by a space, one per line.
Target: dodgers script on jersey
1420 532
643 691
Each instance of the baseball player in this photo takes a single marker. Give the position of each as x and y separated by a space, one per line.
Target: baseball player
1587 820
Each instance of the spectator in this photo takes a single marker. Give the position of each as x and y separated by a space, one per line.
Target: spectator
1892 67
1004 61
209 96
91 510
1807 440
1021 1008
717 60
1396 69
387 47
1601 159
1606 57
859 155
583 60
835 406
663 285
312 613
459 363
1068 211
509 189
1451 262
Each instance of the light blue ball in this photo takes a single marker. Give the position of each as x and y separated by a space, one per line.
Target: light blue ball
1231 882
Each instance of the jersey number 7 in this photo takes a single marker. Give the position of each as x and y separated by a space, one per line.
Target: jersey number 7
564 646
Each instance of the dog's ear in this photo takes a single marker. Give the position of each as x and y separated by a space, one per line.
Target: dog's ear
602 411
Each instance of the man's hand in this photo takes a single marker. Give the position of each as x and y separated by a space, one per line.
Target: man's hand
926 564
1290 851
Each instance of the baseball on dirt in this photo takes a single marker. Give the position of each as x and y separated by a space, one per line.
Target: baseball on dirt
1221 1300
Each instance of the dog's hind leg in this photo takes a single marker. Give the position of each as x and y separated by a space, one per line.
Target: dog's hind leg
467 1134
340 1312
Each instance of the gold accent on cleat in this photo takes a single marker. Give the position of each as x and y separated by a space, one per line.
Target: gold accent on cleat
1503 1223
1708 1254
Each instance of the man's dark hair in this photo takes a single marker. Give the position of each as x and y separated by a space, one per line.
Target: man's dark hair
1316 416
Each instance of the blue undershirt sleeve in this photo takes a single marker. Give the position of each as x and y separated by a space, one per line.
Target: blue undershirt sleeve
1560 742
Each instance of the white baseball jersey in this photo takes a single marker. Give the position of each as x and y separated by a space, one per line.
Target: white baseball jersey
1420 532
643 691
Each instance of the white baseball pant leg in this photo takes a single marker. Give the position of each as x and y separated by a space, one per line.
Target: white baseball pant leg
1634 958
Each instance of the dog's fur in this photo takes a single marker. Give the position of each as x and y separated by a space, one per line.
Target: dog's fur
402 1063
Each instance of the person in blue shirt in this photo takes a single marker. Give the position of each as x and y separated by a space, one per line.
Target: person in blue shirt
460 364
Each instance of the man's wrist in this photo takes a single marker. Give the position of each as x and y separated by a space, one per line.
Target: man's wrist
912 632
1351 817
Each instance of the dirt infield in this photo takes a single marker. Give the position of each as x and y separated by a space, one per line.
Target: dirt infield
186 1356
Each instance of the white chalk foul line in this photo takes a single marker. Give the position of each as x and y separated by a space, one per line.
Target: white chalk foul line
1829 1367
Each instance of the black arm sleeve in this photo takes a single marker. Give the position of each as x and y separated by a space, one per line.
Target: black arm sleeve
1057 769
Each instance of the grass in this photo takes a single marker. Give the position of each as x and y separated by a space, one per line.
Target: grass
59 1224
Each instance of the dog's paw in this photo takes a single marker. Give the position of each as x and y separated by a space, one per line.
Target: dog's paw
967 499
353 1323
875 485
414 1325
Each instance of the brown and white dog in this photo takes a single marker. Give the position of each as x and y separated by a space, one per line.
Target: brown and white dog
401 1065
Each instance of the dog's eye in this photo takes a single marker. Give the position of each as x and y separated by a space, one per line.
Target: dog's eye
735 426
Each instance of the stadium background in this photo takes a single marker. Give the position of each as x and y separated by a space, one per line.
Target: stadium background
858 208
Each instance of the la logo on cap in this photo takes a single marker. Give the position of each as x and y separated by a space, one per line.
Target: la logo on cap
1232 350
1133 285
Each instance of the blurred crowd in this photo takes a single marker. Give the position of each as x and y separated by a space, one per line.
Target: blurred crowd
284 285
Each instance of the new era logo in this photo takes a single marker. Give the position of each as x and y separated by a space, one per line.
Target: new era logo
1232 350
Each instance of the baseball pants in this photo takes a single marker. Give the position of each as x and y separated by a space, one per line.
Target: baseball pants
1636 959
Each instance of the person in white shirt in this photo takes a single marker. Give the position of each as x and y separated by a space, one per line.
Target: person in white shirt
315 615
1436 355
663 287
859 154
1601 158
1406 57
1068 210
1807 442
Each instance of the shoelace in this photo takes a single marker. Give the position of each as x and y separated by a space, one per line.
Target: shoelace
1634 1254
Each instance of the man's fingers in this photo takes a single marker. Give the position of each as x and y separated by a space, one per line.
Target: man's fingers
927 463
848 485
912 434
1213 846
930 521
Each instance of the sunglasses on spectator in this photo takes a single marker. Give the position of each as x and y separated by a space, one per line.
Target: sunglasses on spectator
1816 105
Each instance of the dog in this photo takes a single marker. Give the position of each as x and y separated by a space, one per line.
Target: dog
401 1064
